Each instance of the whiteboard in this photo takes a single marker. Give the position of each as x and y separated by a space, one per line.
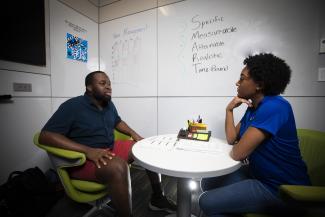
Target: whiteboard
128 53
202 44
143 115
210 109
68 75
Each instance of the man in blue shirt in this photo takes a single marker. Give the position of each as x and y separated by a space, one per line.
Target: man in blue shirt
86 124
266 137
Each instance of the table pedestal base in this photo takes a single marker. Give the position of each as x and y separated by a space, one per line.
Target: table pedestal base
183 199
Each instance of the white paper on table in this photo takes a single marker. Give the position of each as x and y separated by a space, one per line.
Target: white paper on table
199 146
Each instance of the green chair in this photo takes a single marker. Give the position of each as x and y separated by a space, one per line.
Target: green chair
311 199
121 136
80 191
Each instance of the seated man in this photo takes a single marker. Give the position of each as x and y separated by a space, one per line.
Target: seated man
86 124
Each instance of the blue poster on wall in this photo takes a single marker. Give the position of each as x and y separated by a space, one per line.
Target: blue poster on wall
77 48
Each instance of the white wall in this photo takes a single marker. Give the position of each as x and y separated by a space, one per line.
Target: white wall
67 76
25 113
172 110
61 78
20 118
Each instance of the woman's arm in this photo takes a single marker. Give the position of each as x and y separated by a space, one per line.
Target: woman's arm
232 131
247 143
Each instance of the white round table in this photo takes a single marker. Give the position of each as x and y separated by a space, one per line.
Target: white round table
185 159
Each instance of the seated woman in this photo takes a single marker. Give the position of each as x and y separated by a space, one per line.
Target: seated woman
265 138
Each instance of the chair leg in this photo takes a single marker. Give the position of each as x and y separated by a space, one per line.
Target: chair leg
91 211
109 211
101 204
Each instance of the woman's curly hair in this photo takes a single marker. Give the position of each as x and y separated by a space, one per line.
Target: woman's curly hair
270 72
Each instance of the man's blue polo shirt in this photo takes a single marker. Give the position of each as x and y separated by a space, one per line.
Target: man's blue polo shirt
277 160
80 120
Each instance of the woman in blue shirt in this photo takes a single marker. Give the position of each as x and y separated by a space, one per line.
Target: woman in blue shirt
265 138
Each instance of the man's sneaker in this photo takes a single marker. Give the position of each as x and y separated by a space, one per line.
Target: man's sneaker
162 203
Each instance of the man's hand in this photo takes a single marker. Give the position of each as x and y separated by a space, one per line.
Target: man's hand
99 156
136 137
236 101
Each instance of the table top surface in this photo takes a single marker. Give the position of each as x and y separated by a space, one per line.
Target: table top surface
184 158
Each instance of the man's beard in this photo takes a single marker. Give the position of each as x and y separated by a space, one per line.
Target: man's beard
104 98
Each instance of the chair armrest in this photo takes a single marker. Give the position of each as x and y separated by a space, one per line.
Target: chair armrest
121 136
63 152
303 193
62 157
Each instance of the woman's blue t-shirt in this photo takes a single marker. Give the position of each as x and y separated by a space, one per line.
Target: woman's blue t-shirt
277 160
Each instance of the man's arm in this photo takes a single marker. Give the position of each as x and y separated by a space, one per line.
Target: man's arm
97 155
124 128
61 141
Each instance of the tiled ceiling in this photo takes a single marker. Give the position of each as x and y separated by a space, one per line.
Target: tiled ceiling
101 3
